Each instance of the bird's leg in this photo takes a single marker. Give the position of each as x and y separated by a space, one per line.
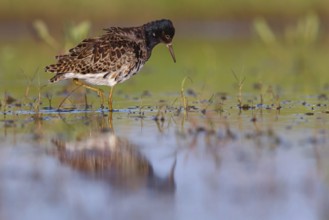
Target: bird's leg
99 91
110 99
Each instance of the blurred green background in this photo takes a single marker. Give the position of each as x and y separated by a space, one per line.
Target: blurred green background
271 44
115 11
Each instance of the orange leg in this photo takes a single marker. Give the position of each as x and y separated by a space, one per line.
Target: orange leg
99 91
110 99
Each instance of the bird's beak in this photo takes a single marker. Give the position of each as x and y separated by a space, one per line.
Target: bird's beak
171 50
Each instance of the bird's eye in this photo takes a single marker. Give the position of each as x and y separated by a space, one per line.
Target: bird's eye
167 36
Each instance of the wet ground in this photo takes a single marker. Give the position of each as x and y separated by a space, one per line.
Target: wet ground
214 161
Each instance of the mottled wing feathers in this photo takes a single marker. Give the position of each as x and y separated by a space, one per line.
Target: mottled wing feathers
107 53
132 33
84 48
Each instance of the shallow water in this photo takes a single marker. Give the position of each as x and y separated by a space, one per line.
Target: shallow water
261 163
154 160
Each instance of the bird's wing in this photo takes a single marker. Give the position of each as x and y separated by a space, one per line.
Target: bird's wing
102 54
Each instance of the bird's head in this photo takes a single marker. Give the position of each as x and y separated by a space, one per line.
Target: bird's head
160 31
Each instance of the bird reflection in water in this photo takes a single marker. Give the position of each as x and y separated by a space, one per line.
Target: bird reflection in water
115 160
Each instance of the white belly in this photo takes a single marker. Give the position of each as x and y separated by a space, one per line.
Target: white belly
98 78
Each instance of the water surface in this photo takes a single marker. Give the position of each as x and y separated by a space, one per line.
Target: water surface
261 163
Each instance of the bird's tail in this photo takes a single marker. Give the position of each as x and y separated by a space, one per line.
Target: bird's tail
56 78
